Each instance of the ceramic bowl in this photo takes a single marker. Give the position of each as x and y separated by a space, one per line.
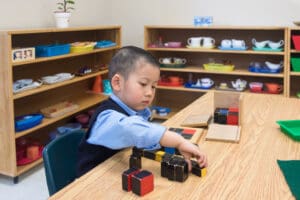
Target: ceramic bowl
173 44
256 86
275 45
260 44
273 66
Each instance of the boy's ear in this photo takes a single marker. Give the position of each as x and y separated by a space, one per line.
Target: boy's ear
115 82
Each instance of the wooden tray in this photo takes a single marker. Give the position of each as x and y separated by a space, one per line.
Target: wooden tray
196 121
222 132
59 109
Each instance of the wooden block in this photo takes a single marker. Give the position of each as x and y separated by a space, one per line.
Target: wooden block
196 121
127 178
220 132
142 183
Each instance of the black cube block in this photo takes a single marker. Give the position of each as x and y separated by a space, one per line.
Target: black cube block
135 162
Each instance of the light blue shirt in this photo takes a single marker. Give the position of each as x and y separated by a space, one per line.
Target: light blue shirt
115 130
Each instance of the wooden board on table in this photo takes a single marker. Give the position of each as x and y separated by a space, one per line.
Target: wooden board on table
196 121
193 134
223 132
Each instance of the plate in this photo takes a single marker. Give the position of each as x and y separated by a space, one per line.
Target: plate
233 48
263 70
199 47
189 85
267 49
291 128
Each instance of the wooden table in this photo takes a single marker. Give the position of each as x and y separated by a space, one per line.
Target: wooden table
244 170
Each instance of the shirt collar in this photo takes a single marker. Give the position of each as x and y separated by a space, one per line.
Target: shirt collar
145 113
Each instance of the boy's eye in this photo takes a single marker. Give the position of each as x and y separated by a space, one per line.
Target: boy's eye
153 86
143 84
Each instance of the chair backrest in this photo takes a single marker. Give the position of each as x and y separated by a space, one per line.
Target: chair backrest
60 160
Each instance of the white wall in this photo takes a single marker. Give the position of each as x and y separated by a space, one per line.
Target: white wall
132 15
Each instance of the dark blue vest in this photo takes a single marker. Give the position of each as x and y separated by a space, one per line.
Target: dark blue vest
90 155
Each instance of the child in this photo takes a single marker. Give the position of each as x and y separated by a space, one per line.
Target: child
122 120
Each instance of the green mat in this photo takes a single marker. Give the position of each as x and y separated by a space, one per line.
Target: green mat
291 172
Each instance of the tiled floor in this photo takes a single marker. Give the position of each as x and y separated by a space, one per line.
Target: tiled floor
31 186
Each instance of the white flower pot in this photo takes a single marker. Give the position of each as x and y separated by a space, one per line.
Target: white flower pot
62 19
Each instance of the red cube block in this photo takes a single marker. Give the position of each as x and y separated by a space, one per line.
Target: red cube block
233 116
142 182
127 178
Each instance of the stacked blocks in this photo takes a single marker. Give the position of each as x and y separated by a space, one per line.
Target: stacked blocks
127 178
142 182
177 169
226 115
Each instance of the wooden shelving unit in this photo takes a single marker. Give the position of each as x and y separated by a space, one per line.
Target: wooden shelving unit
196 57
31 101
293 78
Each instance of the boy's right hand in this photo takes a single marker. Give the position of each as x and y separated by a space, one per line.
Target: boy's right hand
189 150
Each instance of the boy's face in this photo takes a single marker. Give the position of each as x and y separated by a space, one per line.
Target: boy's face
139 89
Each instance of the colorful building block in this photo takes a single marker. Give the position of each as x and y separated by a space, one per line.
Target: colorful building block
197 170
135 162
177 169
159 155
142 182
127 178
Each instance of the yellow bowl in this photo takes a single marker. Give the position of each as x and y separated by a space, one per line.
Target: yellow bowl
218 67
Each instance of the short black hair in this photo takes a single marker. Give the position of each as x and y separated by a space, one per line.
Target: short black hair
125 60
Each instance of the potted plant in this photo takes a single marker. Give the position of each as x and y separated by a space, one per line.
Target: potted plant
63 13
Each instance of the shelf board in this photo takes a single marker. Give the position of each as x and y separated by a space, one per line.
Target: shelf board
46 59
182 88
57 85
237 72
281 53
84 102
24 168
294 73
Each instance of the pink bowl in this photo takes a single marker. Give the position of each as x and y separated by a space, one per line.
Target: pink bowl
173 44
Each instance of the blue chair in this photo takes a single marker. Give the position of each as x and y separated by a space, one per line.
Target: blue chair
60 160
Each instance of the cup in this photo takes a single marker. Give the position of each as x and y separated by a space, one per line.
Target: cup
194 41
273 87
208 42
226 43
106 86
32 152
238 43
179 60
206 82
223 85
165 60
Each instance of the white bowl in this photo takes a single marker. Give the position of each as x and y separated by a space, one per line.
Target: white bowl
273 66
275 45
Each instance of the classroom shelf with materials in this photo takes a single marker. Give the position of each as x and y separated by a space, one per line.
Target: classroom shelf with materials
160 41
33 100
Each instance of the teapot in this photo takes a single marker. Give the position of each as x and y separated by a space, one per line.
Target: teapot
239 84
